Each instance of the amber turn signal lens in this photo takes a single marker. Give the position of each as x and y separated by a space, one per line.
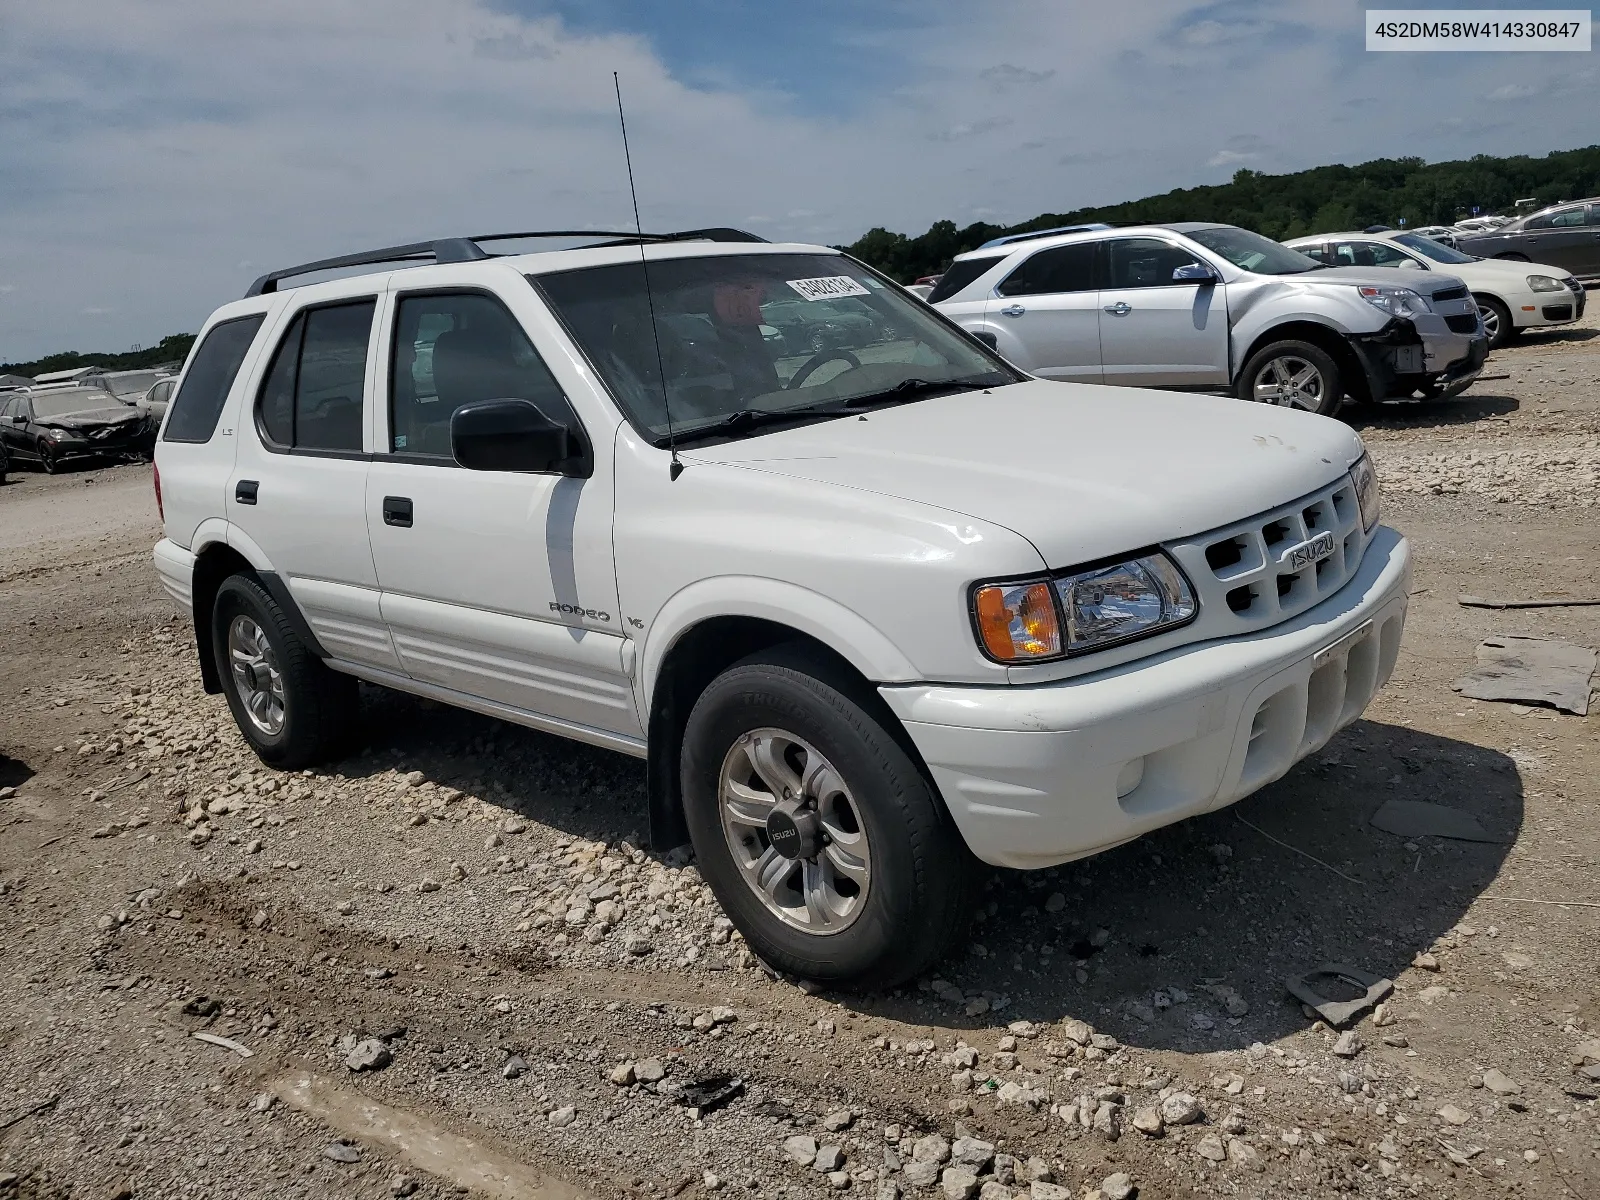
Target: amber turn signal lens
1017 622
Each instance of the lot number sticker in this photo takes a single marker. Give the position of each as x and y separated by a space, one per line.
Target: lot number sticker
828 287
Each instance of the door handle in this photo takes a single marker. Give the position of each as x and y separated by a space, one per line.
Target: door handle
1120 309
244 492
1012 310
397 511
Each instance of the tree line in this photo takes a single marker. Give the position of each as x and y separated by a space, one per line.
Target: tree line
170 349
1385 191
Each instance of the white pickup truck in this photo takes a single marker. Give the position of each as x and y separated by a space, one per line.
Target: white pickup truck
871 612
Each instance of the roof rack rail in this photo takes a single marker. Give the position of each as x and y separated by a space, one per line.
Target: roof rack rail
467 249
1007 240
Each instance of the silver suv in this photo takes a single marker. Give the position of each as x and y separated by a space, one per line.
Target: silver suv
1213 308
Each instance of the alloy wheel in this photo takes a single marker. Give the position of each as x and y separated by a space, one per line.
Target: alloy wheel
795 832
256 676
1290 381
1490 319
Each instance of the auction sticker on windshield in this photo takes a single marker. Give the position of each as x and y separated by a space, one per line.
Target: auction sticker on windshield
828 287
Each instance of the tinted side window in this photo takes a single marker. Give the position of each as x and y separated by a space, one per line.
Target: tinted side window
11 407
333 372
1059 269
1318 252
1567 216
452 349
959 275
210 377
1144 262
275 408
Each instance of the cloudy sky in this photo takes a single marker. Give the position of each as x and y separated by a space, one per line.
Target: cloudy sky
158 154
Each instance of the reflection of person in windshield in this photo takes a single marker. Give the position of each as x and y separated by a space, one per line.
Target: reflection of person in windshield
736 314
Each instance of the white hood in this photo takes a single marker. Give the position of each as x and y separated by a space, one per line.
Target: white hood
1083 471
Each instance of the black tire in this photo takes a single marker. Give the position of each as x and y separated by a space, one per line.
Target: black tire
1496 319
48 462
922 880
320 707
1330 390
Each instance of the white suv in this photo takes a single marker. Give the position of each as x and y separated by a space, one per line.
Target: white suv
870 612
1214 308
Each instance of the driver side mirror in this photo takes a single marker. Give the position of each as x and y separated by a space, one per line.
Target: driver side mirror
514 435
1194 273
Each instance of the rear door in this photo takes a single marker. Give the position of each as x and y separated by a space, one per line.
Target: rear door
1045 314
1154 330
1563 239
298 488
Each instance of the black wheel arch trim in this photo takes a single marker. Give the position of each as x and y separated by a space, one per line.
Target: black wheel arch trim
279 591
210 571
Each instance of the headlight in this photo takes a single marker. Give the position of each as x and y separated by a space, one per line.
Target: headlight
1366 482
57 435
1397 302
1098 607
1546 283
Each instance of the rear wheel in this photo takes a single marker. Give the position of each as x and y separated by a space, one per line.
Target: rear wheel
292 709
1496 319
824 842
1293 374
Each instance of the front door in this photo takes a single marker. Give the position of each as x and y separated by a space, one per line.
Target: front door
298 488
496 584
1046 314
1155 331
14 418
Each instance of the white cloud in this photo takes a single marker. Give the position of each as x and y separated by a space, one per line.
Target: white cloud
1513 91
160 153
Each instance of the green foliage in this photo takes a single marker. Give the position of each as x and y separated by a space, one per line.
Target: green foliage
174 348
1323 199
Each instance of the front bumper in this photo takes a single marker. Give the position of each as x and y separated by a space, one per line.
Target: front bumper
1424 354
1035 776
1537 309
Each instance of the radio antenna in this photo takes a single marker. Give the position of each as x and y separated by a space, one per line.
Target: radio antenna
676 468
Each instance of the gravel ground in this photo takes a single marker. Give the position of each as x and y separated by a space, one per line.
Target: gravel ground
456 970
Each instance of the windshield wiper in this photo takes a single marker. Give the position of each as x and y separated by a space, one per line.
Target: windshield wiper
911 389
752 418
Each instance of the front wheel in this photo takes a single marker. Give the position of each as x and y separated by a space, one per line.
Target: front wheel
48 462
1293 374
291 708
1496 318
823 841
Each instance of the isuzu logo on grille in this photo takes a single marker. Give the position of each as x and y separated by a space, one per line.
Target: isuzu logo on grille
1309 553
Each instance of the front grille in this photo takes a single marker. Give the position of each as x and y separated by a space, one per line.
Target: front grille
1557 312
1455 293
1465 323
1240 572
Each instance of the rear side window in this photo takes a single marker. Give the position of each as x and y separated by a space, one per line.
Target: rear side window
1318 252
1059 269
1145 262
311 397
1594 214
453 349
959 275
210 377
1369 254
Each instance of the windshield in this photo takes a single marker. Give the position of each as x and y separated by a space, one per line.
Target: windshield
800 334
73 400
1252 252
133 382
1428 248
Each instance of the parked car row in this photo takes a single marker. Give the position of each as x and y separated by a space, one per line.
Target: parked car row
1511 296
115 414
1213 307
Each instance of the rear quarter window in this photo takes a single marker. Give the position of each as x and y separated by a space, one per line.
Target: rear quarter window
209 379
959 275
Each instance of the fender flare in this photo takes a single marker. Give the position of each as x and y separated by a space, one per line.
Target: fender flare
841 629
220 531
